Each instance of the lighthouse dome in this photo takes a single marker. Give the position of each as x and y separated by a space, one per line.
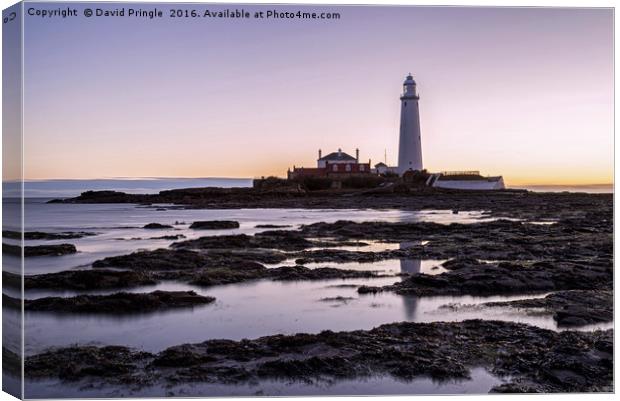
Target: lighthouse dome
409 80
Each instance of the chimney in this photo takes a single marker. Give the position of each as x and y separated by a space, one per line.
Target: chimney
357 155
339 152
320 154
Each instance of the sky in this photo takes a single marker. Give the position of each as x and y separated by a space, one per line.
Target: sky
526 93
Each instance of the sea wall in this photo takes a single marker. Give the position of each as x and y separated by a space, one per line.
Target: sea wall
470 184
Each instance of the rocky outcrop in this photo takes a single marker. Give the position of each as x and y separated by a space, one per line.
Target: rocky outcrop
272 226
248 272
39 250
157 226
536 360
219 266
520 204
38 235
214 225
282 240
159 259
119 303
98 279
507 278
570 308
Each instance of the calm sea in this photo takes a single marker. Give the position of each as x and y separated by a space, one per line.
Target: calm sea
593 188
70 188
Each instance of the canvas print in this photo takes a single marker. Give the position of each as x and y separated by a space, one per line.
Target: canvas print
292 199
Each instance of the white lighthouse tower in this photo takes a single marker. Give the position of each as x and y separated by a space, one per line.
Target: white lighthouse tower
410 145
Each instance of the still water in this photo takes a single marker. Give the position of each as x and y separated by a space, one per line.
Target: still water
119 226
246 310
480 382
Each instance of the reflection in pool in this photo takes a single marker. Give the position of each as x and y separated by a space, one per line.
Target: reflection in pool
260 308
481 382
247 310
114 221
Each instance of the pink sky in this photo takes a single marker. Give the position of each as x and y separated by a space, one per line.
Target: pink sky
526 93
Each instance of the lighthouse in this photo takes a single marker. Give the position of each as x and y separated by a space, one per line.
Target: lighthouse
410 145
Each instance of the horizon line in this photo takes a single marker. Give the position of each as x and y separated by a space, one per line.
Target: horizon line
155 178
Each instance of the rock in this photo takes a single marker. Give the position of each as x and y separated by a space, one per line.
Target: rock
568 208
246 272
506 278
11 362
214 225
337 299
38 235
157 226
86 280
106 197
283 240
118 303
223 275
364 289
570 308
535 359
12 303
462 262
12 280
322 273
218 267
159 259
272 226
169 237
39 250
342 256
75 363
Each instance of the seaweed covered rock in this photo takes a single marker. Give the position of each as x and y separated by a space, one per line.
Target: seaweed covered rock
214 225
39 250
157 226
283 240
536 360
39 235
570 308
87 280
508 278
118 303
159 259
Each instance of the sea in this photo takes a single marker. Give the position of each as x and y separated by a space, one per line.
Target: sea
244 310
65 188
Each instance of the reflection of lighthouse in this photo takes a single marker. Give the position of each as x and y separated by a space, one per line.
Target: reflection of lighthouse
411 266
410 145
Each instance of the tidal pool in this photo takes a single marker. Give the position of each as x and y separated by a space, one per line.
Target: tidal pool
246 310
481 382
261 308
119 226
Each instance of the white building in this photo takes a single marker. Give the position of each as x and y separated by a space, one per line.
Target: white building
410 144
381 168
410 149
339 157
467 180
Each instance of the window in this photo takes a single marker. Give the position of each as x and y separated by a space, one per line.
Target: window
348 167
335 167
361 167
